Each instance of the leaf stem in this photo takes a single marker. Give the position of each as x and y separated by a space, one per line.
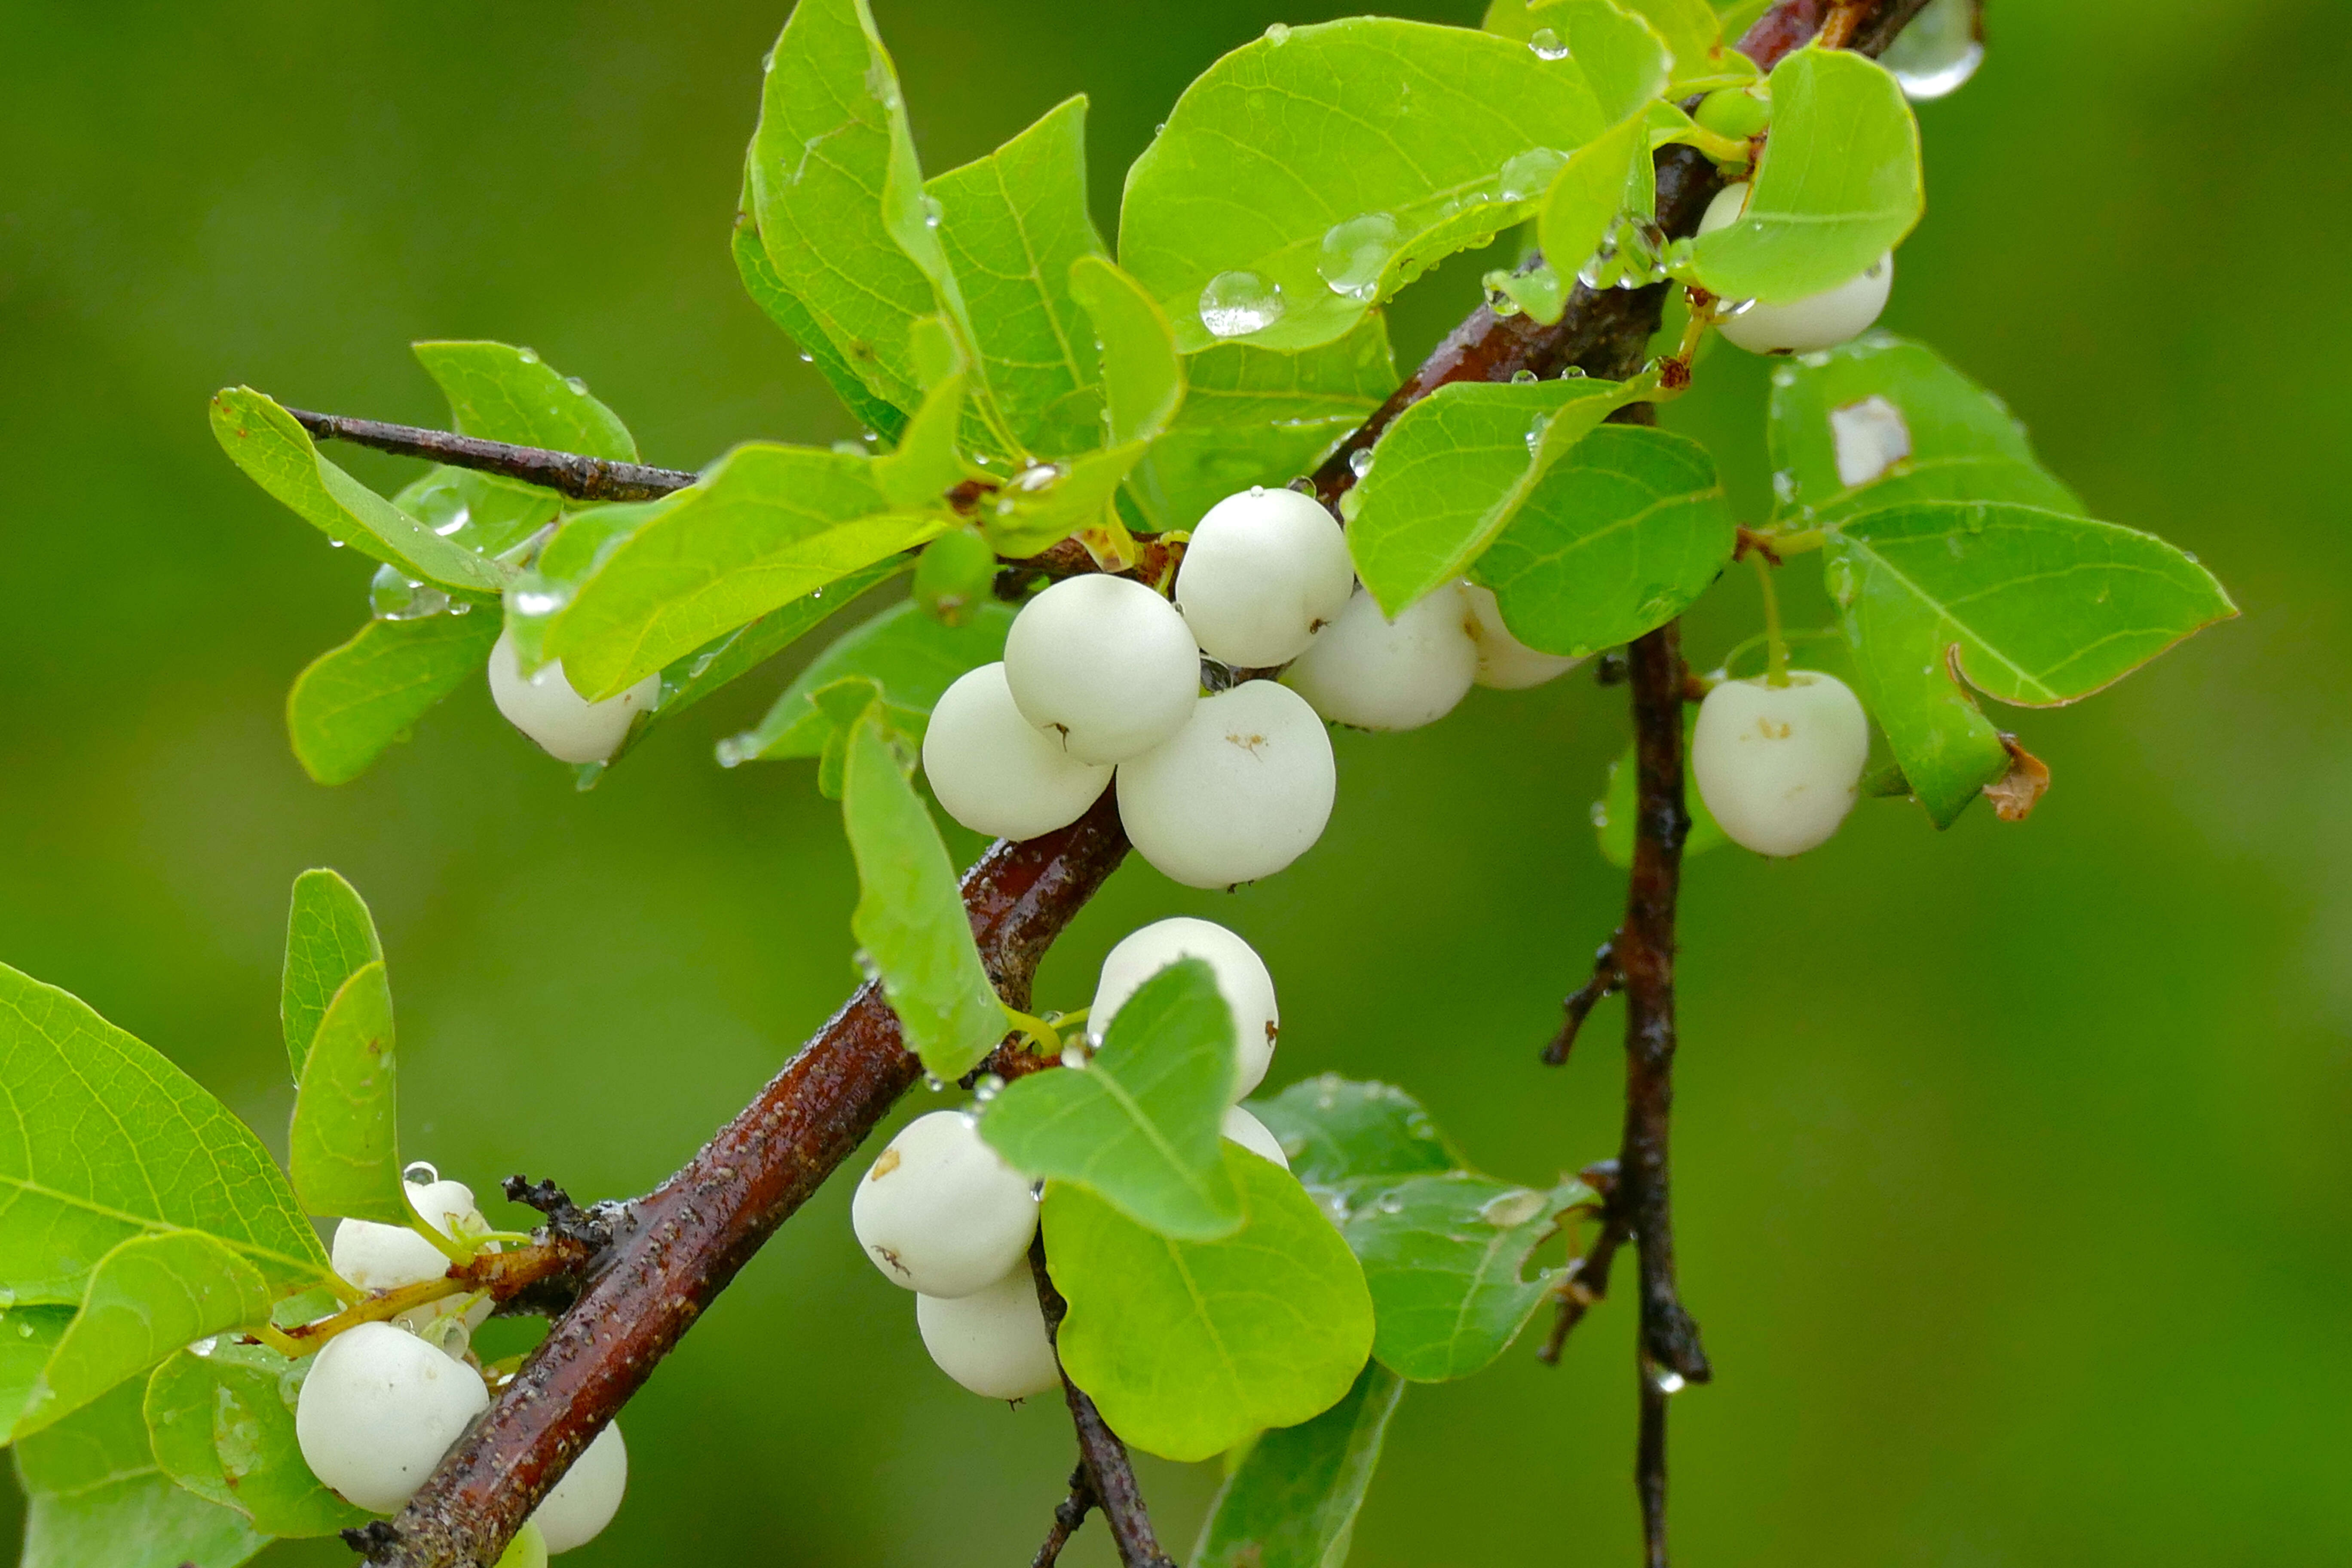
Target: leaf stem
1776 647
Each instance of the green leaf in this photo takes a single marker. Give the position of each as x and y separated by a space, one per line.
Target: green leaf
330 937
1619 538
927 462
355 699
1140 1125
94 1495
1334 1131
1625 59
911 918
1701 47
768 293
1584 200
103 1140
651 581
1613 817
1444 1256
1252 416
488 513
1450 475
1294 1502
504 393
344 1149
1142 378
1012 225
2028 607
1838 185
1403 126
1076 495
1880 421
831 160
27 1335
279 455
147 1297
222 1426
908 655
1188 1347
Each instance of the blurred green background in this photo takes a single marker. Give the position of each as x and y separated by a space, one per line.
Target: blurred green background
2011 1162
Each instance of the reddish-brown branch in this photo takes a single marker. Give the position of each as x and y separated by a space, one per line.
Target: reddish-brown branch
1102 1458
581 477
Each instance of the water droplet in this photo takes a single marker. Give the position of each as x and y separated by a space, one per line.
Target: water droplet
1665 1380
1278 34
1599 814
1524 378
527 356
1235 304
1784 485
2189 556
1936 54
1389 1204
422 1171
731 752
1837 576
532 595
1355 252
1537 428
578 386
335 544
205 1346
1547 45
1818 359
394 596
1512 1208
866 965
1359 462
1036 476
807 357
1073 1055
933 213
1574 373
1528 176
464 516
935 1083
989 1087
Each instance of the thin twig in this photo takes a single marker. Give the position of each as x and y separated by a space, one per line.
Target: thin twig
1650 1464
1101 1455
1069 1514
581 477
1577 1004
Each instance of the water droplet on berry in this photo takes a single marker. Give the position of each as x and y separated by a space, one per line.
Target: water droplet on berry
422 1171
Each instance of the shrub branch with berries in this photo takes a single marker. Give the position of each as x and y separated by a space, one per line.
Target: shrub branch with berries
1125 539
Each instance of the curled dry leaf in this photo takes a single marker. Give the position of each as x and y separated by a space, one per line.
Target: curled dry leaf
2015 793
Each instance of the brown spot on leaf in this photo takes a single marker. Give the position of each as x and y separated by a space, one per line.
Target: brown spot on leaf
2015 793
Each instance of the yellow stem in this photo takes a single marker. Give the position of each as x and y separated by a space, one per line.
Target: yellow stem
1776 647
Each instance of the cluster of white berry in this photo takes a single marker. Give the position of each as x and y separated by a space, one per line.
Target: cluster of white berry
1816 321
941 1213
566 725
383 1401
1101 679
1779 765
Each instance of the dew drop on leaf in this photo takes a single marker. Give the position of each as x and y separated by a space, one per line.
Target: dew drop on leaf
1278 34
1547 45
1936 54
1235 304
1355 251
1512 1208
1528 176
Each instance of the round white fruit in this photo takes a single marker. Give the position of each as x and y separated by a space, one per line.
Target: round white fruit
1778 765
1255 1136
1374 673
379 1409
1242 791
1265 572
940 1212
1242 980
993 1340
386 1257
583 1502
1820 321
1505 663
996 773
1103 665
566 725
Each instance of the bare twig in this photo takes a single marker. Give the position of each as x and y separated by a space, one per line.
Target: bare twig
1101 1455
1069 1514
581 477
1607 980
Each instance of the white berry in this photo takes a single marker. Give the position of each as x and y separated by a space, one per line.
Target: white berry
1505 663
1820 321
1266 570
1242 980
379 1409
993 1340
1778 765
1103 665
566 725
1253 1135
940 1212
386 1257
1239 793
583 1502
996 773
1373 673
